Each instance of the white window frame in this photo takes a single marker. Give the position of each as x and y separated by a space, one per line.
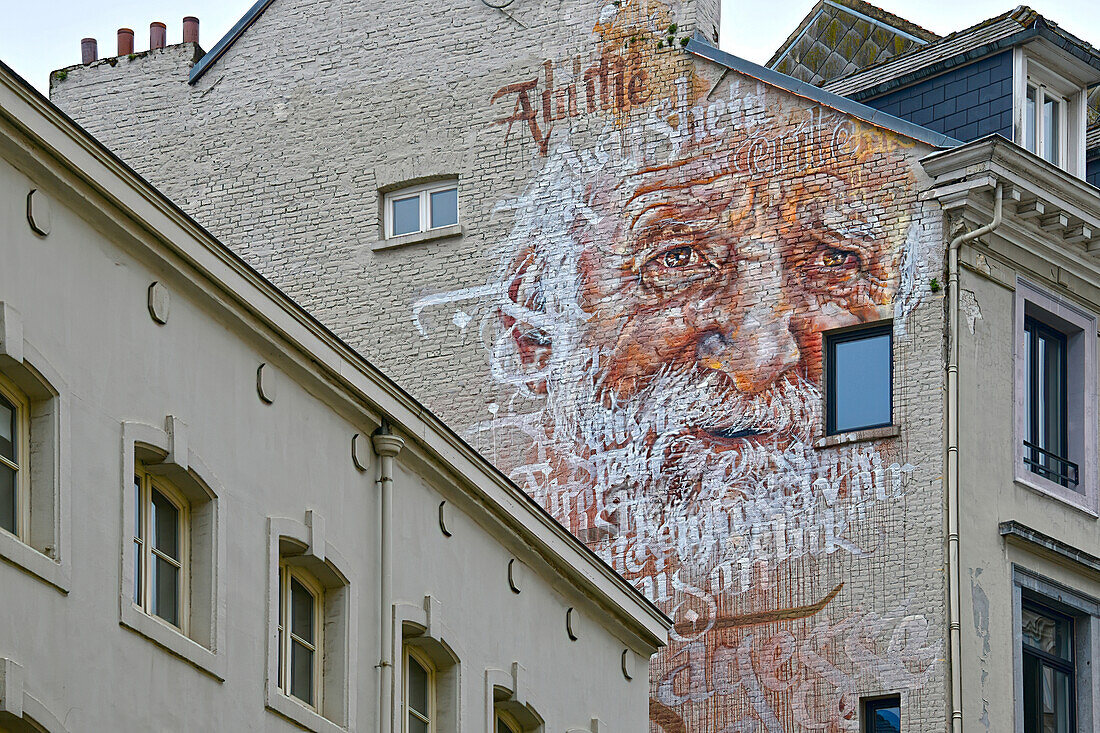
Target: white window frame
1029 72
303 547
424 192
411 652
200 638
287 573
21 465
144 578
1081 329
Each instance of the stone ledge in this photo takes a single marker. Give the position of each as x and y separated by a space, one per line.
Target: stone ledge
858 436
454 230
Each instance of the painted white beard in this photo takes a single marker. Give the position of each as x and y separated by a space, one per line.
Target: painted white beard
651 441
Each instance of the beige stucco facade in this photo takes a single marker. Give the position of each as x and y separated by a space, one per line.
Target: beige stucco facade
136 336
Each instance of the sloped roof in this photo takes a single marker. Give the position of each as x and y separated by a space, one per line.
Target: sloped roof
228 40
838 37
700 47
1005 30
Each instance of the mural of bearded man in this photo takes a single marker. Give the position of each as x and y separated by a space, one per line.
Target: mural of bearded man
660 319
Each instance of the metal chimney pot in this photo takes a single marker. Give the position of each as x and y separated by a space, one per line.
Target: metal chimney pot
158 35
191 29
125 41
89 51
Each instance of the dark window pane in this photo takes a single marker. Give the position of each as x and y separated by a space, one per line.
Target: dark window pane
860 387
406 215
166 596
8 511
301 672
503 727
444 208
137 573
166 524
1032 714
1047 422
8 429
883 715
418 687
137 508
416 725
1048 632
1029 120
301 611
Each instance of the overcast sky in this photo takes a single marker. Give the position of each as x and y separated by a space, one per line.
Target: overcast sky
37 36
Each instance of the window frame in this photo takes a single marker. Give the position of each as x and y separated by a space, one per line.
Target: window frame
1034 66
511 724
424 191
868 705
1032 589
22 405
845 335
144 576
287 573
1043 94
411 653
1067 667
1080 330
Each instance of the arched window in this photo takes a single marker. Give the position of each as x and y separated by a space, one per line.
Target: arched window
162 536
506 723
301 604
419 708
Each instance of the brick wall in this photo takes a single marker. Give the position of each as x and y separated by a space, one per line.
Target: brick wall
966 103
651 251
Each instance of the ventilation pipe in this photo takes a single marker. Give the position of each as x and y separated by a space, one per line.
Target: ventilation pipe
191 29
89 51
125 41
158 35
387 446
954 572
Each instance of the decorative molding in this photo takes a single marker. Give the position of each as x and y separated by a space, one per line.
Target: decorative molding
1013 530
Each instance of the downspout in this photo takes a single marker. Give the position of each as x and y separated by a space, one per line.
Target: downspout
953 569
387 446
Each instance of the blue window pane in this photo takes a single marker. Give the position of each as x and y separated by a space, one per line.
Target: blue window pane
444 208
886 720
861 383
406 215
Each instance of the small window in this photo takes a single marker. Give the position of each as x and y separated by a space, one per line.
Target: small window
1044 123
419 692
859 379
160 548
1049 694
882 715
14 442
421 209
300 605
1047 442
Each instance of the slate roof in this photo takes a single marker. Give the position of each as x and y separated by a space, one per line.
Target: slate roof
956 49
838 37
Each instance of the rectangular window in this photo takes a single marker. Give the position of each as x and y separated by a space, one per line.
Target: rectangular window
13 416
421 208
300 606
160 535
859 379
419 695
1049 697
882 715
1047 442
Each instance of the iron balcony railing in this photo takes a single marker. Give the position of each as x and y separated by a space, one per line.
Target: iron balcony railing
1050 465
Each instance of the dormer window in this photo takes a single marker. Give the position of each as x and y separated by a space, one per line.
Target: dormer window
1044 122
1050 110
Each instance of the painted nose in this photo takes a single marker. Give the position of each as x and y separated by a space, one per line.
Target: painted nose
755 350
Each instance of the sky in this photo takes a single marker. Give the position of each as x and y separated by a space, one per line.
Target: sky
38 36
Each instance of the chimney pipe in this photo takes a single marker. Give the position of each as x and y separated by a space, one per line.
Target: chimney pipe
191 29
125 41
89 52
157 35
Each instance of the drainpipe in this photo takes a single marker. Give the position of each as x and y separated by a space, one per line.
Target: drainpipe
387 446
953 569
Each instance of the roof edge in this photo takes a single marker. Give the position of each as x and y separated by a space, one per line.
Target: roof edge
816 94
296 327
228 40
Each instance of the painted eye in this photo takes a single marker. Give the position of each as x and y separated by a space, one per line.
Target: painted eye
835 257
679 257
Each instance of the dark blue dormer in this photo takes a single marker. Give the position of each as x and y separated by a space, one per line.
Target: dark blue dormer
966 102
